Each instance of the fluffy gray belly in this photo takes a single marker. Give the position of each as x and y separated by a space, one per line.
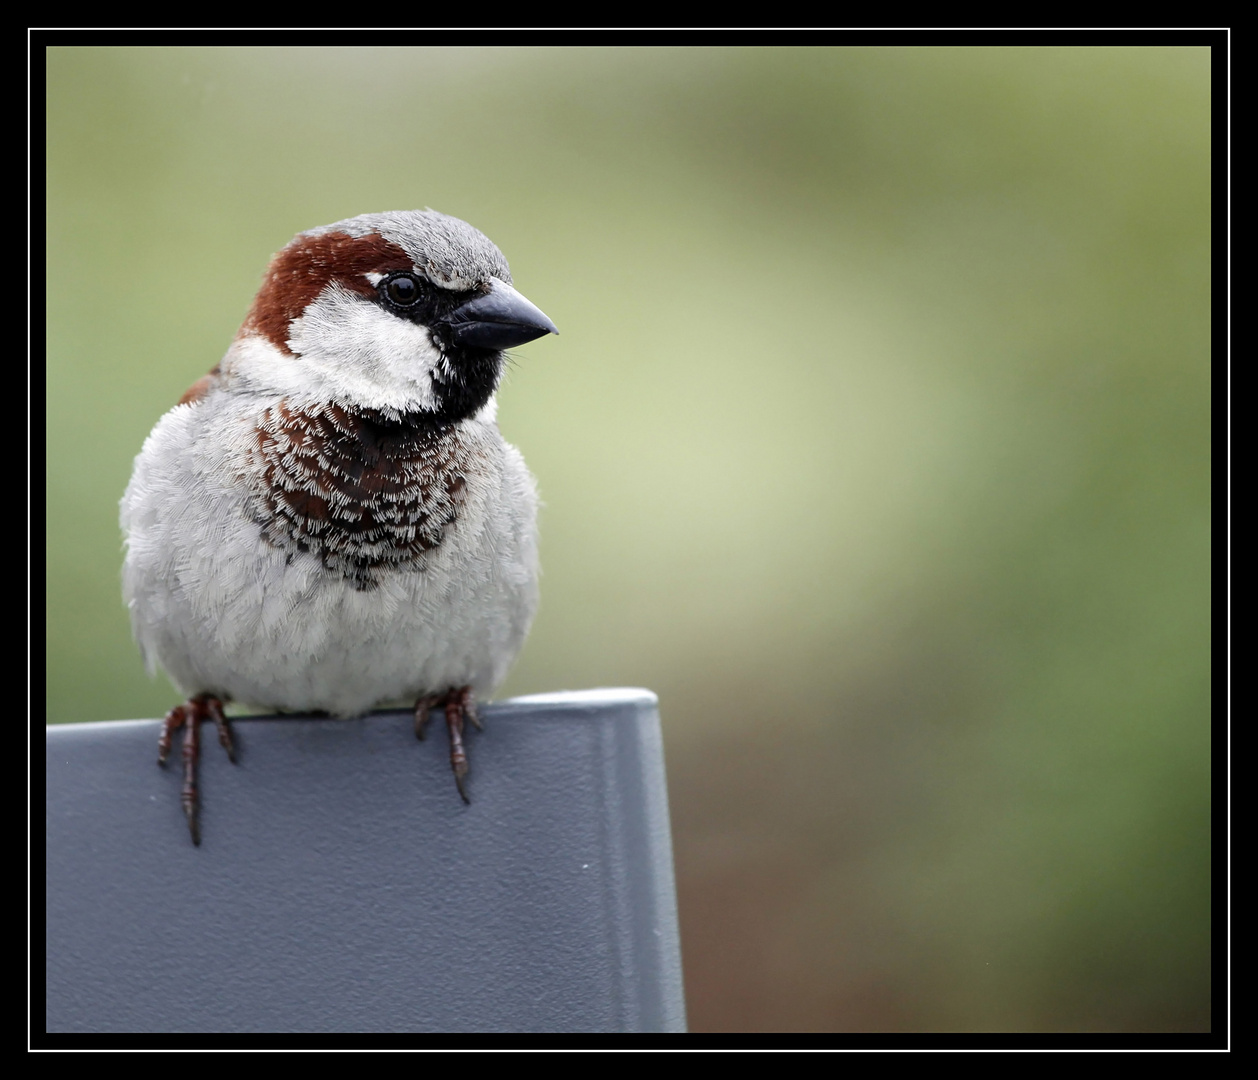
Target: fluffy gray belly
225 603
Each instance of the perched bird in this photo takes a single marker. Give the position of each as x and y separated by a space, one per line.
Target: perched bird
330 519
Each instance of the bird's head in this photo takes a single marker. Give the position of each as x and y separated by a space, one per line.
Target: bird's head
404 312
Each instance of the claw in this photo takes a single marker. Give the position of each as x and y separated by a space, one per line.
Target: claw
174 719
214 709
188 796
459 706
458 754
189 717
423 708
469 710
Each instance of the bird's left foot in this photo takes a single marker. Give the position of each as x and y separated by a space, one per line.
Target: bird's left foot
459 705
189 716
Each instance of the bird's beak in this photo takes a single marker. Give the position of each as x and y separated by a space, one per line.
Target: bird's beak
498 319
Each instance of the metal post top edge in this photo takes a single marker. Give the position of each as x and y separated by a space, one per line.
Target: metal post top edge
563 700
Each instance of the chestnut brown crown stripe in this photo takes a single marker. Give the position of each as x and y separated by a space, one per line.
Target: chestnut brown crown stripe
304 269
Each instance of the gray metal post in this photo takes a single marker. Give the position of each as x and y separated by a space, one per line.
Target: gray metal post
341 885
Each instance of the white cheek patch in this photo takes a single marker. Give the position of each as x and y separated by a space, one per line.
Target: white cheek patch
259 367
354 350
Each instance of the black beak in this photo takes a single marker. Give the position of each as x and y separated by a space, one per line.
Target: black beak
499 319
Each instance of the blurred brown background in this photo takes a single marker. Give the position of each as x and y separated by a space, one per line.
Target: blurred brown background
876 442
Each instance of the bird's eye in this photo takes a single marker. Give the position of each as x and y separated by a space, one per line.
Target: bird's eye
403 290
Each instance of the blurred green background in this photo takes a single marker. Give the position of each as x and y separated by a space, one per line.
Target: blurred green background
876 442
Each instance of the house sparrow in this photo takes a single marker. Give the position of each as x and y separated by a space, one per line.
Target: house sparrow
330 520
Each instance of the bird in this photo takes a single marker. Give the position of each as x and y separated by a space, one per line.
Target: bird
330 519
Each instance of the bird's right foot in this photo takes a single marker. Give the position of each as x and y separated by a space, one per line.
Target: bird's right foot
189 717
459 705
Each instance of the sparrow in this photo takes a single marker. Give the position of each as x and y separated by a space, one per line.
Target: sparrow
330 520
